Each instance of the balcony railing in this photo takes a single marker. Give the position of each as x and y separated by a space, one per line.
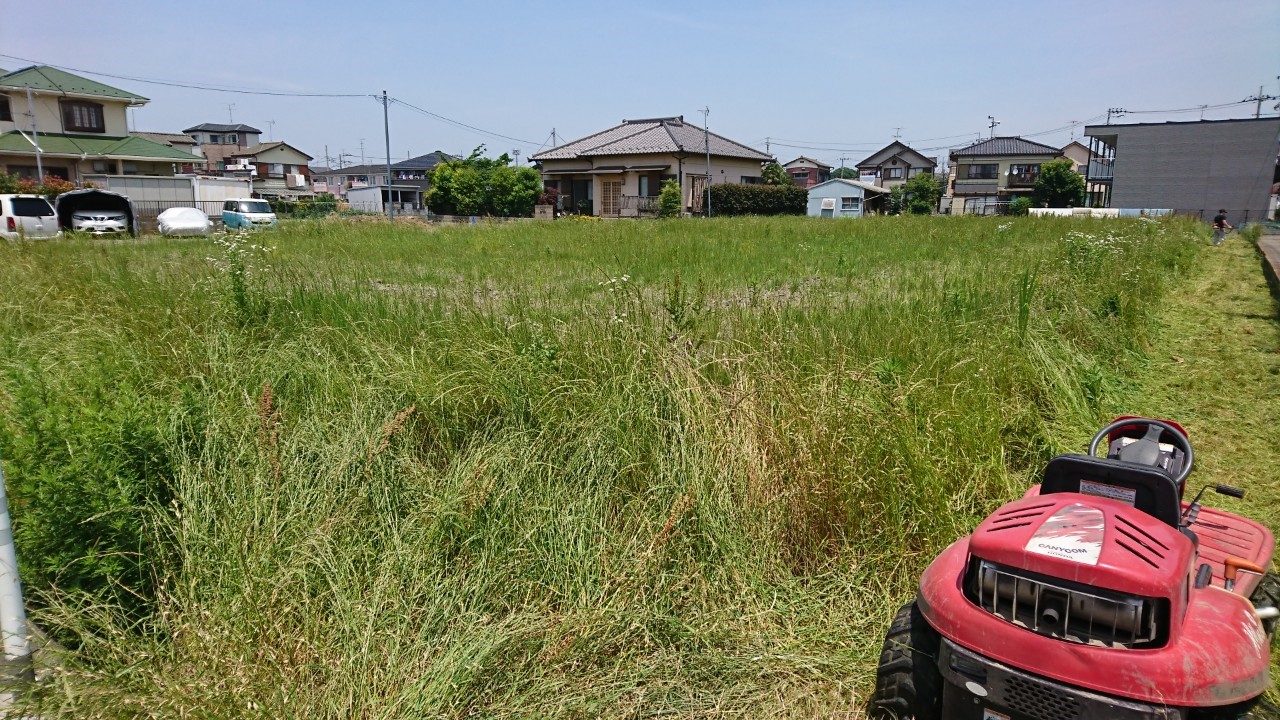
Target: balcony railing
1101 170
643 205
1025 179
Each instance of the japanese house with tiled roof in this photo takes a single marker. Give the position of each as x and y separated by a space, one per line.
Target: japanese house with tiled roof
219 141
77 127
617 172
892 164
279 170
807 172
986 175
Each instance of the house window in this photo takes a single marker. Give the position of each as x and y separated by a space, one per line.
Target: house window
803 175
99 166
849 203
5 113
983 172
130 167
1023 169
231 139
750 180
215 139
982 205
275 169
82 116
644 186
893 173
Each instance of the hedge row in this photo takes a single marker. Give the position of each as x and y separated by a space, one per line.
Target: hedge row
758 200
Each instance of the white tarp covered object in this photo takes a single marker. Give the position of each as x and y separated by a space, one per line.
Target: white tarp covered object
183 221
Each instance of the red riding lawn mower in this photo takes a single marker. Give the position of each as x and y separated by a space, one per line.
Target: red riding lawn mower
1098 595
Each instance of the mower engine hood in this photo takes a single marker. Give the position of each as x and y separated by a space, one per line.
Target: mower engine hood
1088 540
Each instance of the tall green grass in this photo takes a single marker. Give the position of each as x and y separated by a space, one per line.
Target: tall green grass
537 470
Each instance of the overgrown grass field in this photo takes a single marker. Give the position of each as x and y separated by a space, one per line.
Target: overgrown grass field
540 470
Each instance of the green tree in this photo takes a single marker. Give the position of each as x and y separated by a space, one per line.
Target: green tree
921 194
1059 185
775 174
477 185
847 173
1019 205
897 197
669 199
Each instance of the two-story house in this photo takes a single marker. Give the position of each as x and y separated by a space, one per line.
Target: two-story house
807 172
893 164
218 141
618 172
278 169
69 126
989 173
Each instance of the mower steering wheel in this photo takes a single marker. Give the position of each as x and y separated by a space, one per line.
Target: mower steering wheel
1179 440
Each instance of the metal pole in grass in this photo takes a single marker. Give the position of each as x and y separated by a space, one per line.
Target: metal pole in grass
386 128
16 665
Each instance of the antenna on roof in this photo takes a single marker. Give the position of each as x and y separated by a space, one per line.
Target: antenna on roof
897 133
993 125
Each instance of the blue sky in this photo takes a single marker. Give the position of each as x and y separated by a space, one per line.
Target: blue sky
822 79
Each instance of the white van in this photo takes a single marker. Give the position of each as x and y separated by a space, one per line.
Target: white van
28 216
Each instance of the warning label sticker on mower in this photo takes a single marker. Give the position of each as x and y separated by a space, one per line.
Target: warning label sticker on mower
993 715
1073 533
1111 492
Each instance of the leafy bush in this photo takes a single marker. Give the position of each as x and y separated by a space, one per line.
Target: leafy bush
51 187
669 199
477 185
1059 185
775 174
731 199
921 194
1019 206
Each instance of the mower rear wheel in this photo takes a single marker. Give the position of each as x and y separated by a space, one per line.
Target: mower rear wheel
908 683
1267 594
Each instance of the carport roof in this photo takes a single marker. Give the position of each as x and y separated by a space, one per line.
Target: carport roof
109 147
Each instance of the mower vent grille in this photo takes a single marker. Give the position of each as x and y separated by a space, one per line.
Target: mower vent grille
1020 517
1061 610
1039 701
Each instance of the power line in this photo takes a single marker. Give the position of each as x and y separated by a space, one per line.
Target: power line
460 124
190 86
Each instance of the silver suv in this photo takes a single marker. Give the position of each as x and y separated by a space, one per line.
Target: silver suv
27 216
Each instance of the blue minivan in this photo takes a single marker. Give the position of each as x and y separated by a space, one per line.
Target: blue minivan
247 213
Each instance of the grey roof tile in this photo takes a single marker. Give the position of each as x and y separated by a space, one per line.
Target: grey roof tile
1006 146
215 127
658 135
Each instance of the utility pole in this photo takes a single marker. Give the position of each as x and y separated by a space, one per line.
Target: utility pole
993 125
516 153
362 160
13 613
386 129
229 118
1114 111
271 130
706 139
553 137
35 139
767 151
1257 112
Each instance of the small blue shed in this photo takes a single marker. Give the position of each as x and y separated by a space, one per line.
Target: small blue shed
840 197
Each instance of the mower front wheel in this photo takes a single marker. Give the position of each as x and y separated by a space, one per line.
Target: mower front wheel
908 683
